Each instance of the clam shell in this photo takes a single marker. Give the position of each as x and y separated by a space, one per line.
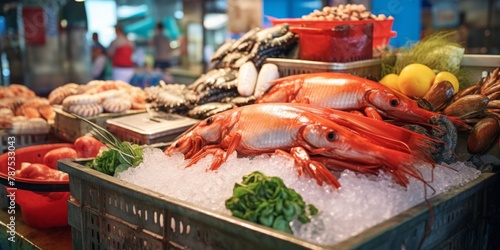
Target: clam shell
467 106
439 95
483 135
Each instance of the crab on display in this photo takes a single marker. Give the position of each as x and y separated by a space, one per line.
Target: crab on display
220 83
256 45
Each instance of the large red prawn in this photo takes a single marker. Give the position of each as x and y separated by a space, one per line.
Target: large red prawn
308 134
344 91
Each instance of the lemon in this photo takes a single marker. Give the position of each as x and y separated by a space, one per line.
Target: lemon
447 76
391 81
415 79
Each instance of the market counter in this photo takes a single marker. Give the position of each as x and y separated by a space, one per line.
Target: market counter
33 238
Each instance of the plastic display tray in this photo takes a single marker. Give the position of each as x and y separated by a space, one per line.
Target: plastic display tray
108 213
366 68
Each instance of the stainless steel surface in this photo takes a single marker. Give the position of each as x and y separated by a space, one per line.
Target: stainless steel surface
477 66
147 124
79 56
477 60
150 128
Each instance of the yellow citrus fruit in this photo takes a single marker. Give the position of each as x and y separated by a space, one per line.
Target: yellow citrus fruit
415 79
391 81
447 76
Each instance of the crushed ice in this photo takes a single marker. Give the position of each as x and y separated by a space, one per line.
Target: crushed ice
362 202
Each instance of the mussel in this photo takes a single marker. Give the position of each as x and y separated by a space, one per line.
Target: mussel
483 135
439 95
467 106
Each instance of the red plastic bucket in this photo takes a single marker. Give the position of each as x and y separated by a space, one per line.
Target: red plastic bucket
342 43
381 28
38 209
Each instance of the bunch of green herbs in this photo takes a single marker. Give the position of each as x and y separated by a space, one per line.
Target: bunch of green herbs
267 201
118 155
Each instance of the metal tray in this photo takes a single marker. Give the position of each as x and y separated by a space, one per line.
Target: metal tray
476 64
149 128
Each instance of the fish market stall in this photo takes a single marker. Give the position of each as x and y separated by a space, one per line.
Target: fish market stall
416 177
282 145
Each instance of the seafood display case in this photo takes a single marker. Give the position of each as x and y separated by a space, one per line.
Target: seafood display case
106 212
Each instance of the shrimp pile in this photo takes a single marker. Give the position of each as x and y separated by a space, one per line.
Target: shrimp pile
97 97
23 112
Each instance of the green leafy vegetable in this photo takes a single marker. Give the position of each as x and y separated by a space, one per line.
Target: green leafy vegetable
118 156
267 201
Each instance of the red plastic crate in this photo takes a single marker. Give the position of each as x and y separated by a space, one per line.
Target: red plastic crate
343 43
382 32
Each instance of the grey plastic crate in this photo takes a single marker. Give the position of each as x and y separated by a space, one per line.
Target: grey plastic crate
366 68
108 213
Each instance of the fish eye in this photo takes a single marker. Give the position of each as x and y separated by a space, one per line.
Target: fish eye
176 144
209 120
330 136
394 102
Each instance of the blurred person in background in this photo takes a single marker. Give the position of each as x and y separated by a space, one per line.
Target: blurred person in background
120 52
95 41
162 50
99 61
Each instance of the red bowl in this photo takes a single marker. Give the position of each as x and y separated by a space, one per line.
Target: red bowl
43 210
31 154
43 204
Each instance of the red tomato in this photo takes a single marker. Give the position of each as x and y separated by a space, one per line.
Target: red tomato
51 157
87 146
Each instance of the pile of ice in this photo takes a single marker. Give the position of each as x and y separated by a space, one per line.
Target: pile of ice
362 202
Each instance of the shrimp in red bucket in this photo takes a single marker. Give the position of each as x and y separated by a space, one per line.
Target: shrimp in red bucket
312 139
